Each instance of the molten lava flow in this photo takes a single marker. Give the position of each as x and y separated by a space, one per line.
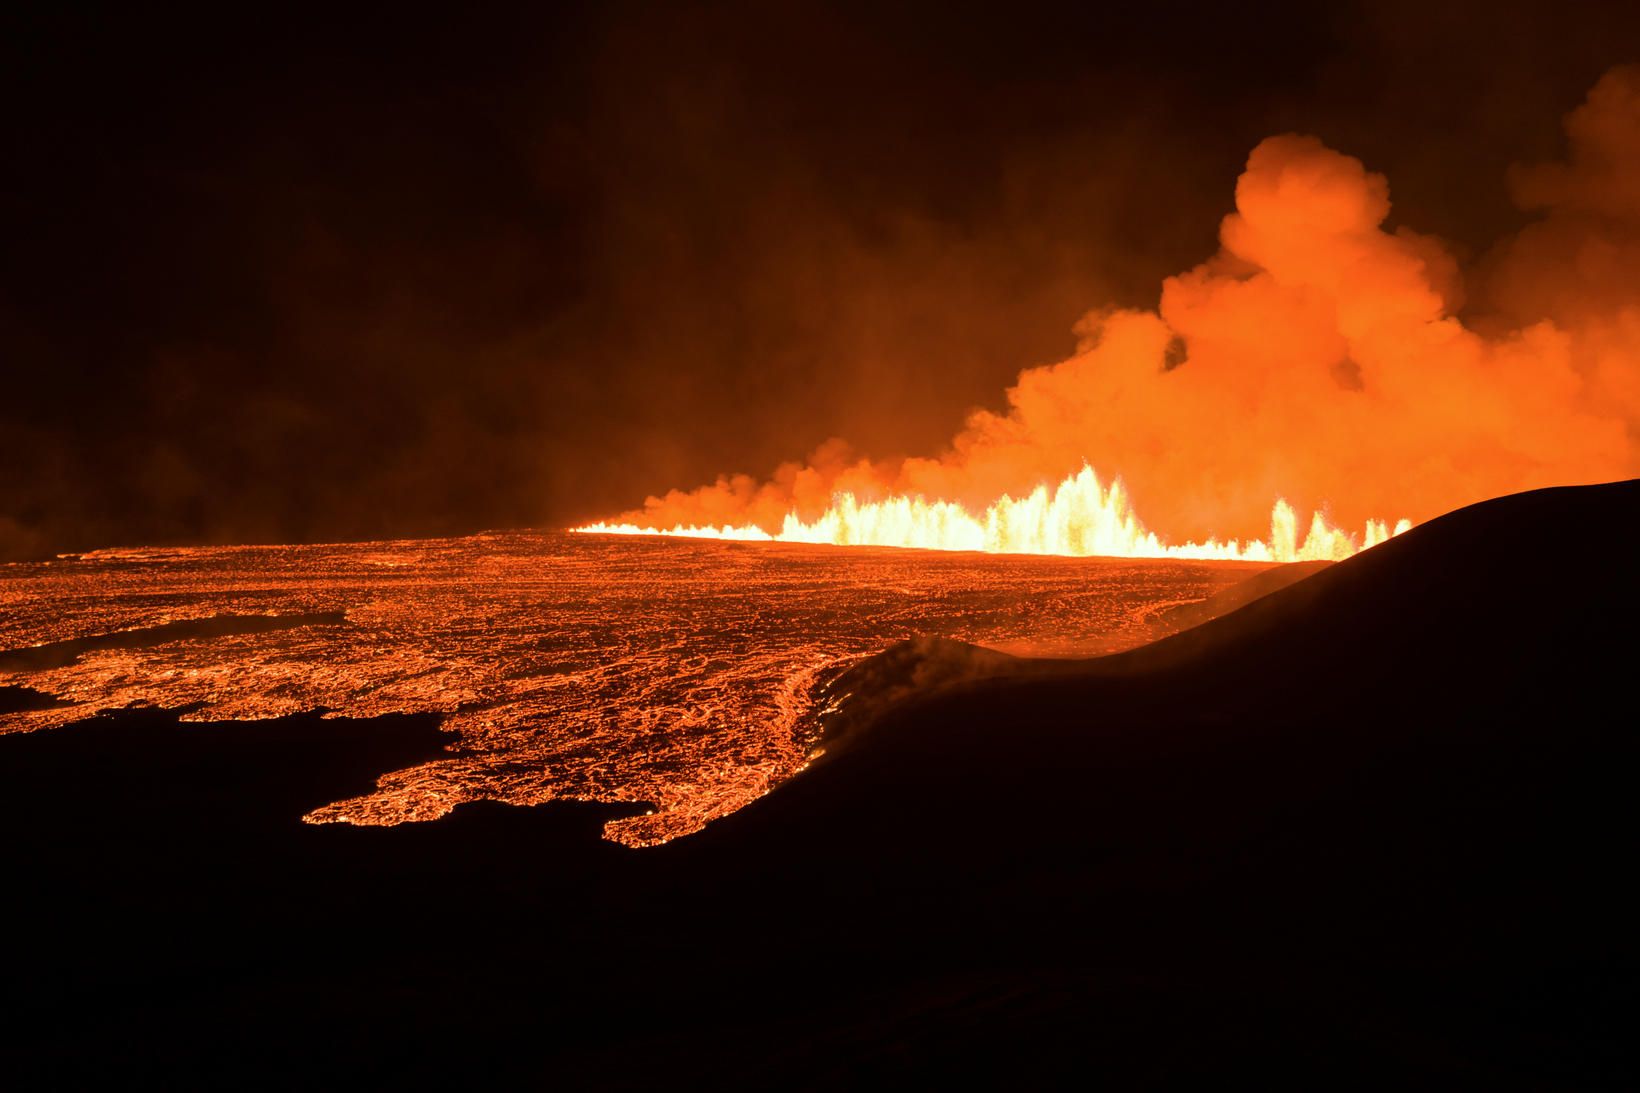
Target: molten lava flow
1079 518
683 678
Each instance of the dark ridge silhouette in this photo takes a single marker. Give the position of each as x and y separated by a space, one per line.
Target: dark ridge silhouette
1185 615
1371 829
854 698
58 654
857 696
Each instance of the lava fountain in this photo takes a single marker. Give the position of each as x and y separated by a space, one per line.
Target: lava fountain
1081 517
1324 355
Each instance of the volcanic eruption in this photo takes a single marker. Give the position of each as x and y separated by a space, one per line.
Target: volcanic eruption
1322 359
1207 697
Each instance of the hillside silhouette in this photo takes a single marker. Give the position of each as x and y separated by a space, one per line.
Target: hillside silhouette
1371 827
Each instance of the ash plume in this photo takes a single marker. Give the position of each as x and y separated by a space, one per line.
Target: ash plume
1319 356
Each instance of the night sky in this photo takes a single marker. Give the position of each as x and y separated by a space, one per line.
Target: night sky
299 276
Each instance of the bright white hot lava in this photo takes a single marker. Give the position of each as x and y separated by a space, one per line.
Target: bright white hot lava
1080 517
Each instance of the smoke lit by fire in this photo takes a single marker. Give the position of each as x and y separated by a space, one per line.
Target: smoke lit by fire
1321 356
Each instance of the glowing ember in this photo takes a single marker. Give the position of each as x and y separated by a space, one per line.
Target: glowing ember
1080 518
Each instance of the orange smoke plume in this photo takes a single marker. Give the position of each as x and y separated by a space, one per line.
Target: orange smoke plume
1318 357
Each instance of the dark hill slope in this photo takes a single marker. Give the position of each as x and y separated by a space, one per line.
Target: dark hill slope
1372 830
1516 617
1386 811
1237 596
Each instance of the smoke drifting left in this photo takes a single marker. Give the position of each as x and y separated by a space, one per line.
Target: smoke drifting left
332 278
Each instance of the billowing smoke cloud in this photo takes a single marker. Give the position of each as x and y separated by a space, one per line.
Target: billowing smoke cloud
1319 356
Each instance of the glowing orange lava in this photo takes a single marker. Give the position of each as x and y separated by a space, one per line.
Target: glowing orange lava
1079 518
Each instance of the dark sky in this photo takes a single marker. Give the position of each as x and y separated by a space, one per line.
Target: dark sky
298 276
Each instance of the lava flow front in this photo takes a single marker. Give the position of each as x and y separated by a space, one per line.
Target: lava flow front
1079 518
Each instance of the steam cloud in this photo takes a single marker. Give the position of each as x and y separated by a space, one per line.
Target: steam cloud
1318 357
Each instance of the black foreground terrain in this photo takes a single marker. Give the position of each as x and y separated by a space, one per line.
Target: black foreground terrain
1374 827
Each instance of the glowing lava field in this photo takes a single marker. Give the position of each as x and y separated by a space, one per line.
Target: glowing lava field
678 673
